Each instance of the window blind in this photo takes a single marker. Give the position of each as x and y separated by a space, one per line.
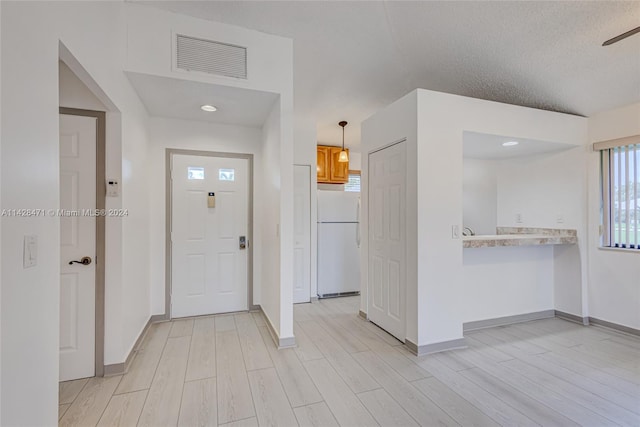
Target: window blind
354 182
620 193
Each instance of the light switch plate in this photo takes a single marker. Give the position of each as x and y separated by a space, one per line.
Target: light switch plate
30 251
455 231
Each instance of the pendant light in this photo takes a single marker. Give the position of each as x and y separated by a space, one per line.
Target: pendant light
344 156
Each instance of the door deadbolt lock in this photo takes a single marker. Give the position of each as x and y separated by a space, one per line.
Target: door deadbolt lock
242 242
85 260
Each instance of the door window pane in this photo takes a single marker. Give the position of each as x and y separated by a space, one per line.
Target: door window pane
226 174
195 173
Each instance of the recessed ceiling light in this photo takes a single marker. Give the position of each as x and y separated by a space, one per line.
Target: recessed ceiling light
208 108
510 143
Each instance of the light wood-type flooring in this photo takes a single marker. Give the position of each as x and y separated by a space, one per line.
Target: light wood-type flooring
225 370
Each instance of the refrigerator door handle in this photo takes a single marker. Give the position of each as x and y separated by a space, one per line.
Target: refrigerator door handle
358 227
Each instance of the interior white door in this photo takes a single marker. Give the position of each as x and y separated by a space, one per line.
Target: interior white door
387 239
209 260
77 240
302 234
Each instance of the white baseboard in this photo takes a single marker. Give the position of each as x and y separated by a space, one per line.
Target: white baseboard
122 368
507 320
615 326
435 347
285 342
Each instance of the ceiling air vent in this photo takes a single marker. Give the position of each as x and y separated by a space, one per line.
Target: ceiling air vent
211 57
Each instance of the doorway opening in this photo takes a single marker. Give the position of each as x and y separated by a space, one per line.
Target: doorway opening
82 242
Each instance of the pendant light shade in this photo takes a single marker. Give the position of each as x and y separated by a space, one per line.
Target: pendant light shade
344 156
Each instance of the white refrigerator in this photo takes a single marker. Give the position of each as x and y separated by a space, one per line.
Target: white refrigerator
338 243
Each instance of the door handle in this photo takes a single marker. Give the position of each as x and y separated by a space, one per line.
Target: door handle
85 260
358 224
242 242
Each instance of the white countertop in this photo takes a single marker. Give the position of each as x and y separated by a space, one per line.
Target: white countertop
523 239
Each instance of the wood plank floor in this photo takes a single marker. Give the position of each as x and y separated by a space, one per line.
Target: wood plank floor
226 370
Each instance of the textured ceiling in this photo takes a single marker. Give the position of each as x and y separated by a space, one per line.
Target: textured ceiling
352 58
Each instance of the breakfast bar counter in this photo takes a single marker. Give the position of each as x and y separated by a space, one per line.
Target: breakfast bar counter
522 236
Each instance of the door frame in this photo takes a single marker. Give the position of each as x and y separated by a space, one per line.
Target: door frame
406 302
101 201
169 153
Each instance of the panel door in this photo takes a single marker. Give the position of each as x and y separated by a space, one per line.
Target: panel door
387 239
302 234
77 239
208 262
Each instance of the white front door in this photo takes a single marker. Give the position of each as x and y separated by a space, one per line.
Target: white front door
209 260
77 240
302 234
387 240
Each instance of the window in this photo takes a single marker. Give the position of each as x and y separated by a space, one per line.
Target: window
226 175
620 166
195 173
354 182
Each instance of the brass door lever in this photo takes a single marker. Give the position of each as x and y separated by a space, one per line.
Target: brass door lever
85 260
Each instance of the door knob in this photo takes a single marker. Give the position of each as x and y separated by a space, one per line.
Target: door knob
85 260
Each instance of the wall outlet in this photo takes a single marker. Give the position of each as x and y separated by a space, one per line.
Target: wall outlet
30 251
560 219
519 218
455 231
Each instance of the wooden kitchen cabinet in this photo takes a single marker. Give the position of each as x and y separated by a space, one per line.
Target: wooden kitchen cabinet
330 170
323 159
339 171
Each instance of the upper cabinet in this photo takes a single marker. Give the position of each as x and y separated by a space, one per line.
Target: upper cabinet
324 163
330 170
339 171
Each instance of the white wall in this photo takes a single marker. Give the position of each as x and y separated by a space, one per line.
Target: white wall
542 188
150 49
549 190
127 307
442 120
150 34
396 122
355 160
506 281
94 33
75 94
195 135
614 294
434 122
78 89
270 220
480 195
